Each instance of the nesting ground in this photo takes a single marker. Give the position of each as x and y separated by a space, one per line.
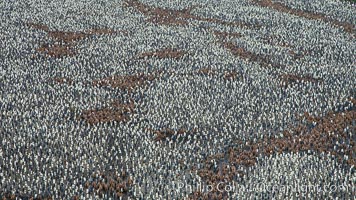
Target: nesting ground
153 99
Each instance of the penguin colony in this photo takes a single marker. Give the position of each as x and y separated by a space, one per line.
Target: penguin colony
128 99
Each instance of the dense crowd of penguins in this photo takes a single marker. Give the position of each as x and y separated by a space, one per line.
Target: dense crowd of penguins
200 97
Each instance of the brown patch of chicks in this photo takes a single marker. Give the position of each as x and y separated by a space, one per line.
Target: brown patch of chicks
348 27
165 16
118 111
125 82
164 53
110 183
63 42
288 79
321 138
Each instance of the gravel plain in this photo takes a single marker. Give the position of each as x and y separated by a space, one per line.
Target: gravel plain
153 99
